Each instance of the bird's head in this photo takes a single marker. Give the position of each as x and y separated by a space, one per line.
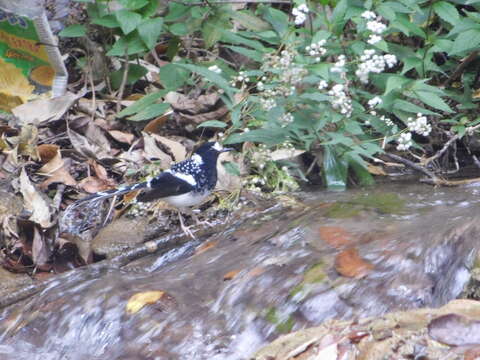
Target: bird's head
211 148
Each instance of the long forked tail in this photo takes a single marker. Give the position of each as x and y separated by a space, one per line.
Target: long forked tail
101 195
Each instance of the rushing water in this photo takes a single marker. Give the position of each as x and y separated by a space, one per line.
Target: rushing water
266 272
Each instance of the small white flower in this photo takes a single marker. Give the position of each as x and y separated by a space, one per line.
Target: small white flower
373 39
376 27
369 15
404 141
374 101
390 60
300 14
322 85
215 69
339 66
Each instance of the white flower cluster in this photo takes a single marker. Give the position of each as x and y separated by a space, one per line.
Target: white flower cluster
300 14
340 100
316 49
268 103
339 65
376 27
373 63
386 120
322 85
215 69
286 119
404 141
241 77
373 102
419 125
293 75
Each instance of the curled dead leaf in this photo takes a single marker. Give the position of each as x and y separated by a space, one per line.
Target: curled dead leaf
155 126
122 137
34 202
335 236
230 275
348 263
47 152
139 300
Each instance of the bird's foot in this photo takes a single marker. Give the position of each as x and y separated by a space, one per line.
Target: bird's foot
186 229
201 222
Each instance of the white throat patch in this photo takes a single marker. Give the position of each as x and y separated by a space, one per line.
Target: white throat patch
217 147
197 159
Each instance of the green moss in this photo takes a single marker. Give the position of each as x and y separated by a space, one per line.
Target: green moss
286 326
342 211
315 274
271 315
387 203
297 289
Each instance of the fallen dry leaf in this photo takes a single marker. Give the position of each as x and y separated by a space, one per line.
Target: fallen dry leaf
230 275
205 246
47 152
92 184
34 202
349 263
155 126
40 252
152 151
455 330
55 168
139 300
178 150
200 104
376 170
38 111
335 236
122 136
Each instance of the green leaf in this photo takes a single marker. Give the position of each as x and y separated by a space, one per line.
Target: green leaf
250 21
410 107
252 54
467 40
128 20
212 31
151 111
133 4
149 31
433 100
446 11
176 11
142 103
362 174
172 76
231 168
395 82
405 25
75 30
135 72
210 75
108 21
334 169
213 124
130 43
268 137
179 29
277 18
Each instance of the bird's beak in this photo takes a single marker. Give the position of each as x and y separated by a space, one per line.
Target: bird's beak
227 149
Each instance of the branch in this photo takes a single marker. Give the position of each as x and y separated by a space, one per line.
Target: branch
460 68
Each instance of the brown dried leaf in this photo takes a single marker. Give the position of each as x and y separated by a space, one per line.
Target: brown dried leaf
230 275
205 246
34 202
155 126
335 236
200 104
178 150
38 111
55 169
139 300
206 116
122 137
349 263
40 252
92 184
227 181
152 151
47 152
376 170
455 330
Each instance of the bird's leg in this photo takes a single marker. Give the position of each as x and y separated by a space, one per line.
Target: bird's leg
186 229
197 220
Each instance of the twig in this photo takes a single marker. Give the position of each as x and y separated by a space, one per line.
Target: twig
57 200
124 81
439 153
415 166
460 68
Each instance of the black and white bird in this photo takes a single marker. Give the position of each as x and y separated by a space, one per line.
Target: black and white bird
186 183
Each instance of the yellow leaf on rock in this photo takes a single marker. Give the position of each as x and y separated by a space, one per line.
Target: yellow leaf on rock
139 300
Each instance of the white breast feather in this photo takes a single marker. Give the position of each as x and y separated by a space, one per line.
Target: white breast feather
185 200
185 177
197 159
